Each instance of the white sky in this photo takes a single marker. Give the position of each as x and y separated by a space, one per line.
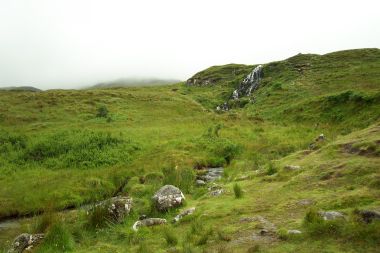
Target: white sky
73 43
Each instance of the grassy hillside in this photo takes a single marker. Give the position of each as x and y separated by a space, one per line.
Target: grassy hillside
63 149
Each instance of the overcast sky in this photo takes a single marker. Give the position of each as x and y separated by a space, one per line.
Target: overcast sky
73 43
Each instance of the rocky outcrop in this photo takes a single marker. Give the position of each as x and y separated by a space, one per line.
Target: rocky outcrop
118 207
148 222
168 197
183 214
246 87
25 242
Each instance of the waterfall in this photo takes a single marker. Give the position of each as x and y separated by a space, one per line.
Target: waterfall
250 83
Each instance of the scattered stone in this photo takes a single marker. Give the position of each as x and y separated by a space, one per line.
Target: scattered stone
168 197
183 214
292 167
331 215
148 222
216 193
242 178
200 182
294 232
246 219
368 216
305 202
118 207
265 224
321 137
25 241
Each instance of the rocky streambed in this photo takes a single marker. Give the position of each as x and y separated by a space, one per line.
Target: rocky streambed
209 175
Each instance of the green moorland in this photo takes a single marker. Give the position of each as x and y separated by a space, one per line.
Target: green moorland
63 149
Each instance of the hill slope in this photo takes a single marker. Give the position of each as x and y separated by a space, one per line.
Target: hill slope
62 149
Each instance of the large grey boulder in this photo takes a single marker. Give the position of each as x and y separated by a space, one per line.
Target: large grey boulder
168 197
148 222
25 241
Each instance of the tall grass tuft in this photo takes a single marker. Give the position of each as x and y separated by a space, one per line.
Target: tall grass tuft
58 239
98 217
170 237
183 178
238 191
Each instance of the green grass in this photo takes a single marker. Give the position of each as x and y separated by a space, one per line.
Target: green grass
56 151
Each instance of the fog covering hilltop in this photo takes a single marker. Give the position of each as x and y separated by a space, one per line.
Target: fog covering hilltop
131 82
20 88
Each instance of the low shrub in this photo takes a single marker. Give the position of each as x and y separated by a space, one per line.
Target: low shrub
271 170
102 111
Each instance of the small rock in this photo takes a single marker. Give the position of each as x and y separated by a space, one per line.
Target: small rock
143 217
168 197
331 215
24 241
200 182
183 214
368 216
321 137
148 222
294 232
216 193
305 202
246 219
242 178
292 167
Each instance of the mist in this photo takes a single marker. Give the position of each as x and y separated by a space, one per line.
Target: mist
71 44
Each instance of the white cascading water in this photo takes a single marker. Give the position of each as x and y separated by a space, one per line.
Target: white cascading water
246 87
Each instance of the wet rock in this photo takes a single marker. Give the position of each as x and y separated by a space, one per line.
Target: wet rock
250 83
331 215
148 222
292 167
118 207
183 214
212 174
294 232
168 197
25 241
199 182
368 216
